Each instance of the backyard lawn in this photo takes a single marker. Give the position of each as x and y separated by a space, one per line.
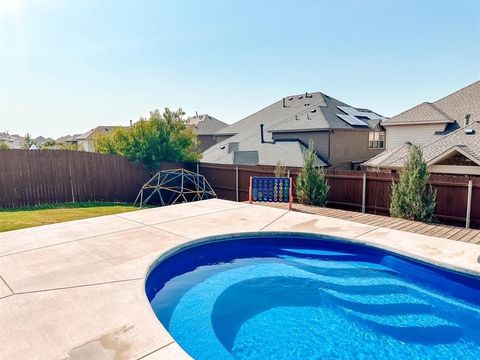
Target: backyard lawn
13 219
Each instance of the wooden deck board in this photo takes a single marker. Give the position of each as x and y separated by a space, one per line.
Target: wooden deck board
461 234
437 230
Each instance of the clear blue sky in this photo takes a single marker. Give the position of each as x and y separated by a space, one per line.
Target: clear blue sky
67 65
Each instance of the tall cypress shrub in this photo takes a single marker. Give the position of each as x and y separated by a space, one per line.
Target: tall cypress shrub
312 187
412 197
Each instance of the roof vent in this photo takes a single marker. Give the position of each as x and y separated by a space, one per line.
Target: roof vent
469 131
290 98
300 97
222 147
467 119
313 110
233 146
307 104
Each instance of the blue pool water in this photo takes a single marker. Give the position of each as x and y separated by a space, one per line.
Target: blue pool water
303 297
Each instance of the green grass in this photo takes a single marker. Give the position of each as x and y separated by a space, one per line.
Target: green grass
19 218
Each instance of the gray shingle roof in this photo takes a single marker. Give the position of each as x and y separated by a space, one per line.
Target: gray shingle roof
251 151
458 139
205 124
423 113
449 109
302 112
98 129
462 102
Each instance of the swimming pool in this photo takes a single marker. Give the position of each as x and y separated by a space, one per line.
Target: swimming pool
301 296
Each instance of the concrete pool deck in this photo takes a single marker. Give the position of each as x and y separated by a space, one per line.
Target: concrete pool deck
74 290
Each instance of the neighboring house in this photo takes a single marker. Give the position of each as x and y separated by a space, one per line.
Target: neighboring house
446 130
455 153
343 136
420 124
12 141
85 141
40 141
205 126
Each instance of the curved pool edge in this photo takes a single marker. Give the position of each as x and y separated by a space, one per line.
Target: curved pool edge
428 260
179 353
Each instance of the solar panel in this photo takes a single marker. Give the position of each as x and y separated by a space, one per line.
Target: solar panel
359 113
352 120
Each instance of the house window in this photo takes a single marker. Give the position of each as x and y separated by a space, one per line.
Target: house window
376 140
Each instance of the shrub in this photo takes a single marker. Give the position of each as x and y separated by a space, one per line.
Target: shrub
312 188
162 137
280 169
412 197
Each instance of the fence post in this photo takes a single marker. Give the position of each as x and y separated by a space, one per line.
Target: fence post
364 192
469 204
236 182
198 168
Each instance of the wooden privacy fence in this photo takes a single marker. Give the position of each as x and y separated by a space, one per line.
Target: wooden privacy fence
54 176
458 197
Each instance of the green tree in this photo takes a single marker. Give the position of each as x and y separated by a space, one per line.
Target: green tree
70 147
280 169
48 144
27 142
412 197
161 137
4 146
312 187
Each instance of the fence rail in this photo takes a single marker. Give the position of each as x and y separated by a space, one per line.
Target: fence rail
55 176
347 190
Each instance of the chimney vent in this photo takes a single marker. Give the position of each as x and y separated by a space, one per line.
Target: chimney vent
131 122
261 134
283 102
467 119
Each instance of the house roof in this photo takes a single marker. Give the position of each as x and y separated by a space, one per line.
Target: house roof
465 140
251 151
449 109
205 124
303 112
295 113
98 129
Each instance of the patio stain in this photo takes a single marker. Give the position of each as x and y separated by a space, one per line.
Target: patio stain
106 347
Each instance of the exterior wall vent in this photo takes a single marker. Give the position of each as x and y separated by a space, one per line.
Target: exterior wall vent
233 146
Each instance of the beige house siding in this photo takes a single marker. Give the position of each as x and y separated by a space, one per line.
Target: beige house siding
415 134
86 145
455 169
350 145
321 140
